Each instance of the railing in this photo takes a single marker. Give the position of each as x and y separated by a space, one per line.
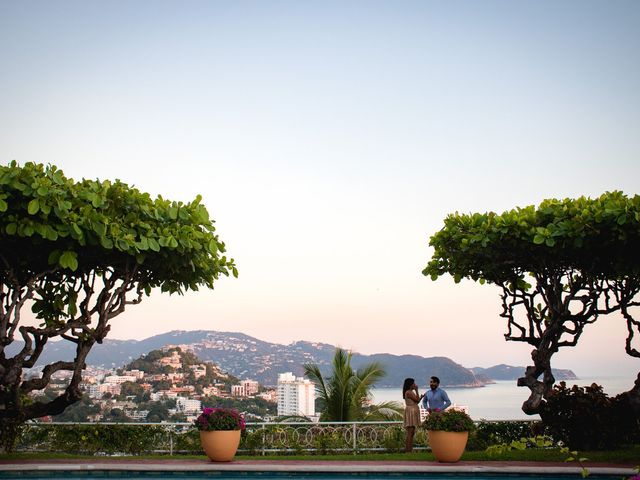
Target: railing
258 439
326 437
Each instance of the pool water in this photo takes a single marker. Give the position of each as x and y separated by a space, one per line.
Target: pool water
225 475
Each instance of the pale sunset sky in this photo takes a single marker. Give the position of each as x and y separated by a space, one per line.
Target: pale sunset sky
329 140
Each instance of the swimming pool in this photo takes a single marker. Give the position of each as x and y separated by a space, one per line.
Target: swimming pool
270 475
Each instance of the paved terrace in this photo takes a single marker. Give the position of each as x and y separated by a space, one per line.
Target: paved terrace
392 466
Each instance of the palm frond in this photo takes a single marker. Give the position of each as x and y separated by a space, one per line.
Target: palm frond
384 411
345 395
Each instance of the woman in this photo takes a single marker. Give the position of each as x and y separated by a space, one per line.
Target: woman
411 410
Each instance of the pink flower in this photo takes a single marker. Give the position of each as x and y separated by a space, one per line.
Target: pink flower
220 419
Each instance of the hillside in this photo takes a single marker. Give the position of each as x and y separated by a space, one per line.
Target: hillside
244 356
508 372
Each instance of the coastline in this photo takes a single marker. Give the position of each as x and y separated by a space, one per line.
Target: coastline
503 399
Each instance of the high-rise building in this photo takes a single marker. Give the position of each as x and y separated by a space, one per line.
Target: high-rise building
296 395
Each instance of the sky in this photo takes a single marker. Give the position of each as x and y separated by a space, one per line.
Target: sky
329 140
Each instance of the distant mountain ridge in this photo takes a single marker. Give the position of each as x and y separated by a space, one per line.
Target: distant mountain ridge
244 356
508 372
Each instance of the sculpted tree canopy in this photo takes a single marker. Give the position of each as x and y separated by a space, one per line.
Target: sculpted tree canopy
560 266
78 253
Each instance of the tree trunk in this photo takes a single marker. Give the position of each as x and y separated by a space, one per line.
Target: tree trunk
539 389
10 429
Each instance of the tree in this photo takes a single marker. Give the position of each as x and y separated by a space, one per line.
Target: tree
345 396
78 412
78 253
116 415
128 389
560 266
158 412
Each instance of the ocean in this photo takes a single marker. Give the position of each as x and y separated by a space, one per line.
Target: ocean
502 400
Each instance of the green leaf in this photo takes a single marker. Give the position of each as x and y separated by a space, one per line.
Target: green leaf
106 243
3 206
72 308
538 239
11 229
153 245
54 257
143 244
50 233
76 230
34 206
69 259
100 228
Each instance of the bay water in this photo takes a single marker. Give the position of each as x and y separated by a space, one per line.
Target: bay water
502 400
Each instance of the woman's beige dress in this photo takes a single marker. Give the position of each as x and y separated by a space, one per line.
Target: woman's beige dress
411 413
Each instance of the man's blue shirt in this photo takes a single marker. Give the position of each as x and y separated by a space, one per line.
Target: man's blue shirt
437 398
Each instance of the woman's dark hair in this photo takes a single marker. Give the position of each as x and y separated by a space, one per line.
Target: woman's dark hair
408 383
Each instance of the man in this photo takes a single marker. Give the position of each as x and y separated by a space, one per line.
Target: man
436 398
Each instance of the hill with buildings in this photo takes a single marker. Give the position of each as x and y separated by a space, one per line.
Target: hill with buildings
167 384
244 356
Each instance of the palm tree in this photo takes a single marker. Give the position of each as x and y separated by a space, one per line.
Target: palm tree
346 395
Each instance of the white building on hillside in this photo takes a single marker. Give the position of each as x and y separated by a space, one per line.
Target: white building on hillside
119 379
238 391
188 405
296 396
251 387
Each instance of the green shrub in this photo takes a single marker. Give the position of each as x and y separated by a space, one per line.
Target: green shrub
328 442
585 418
252 441
394 439
496 433
187 440
91 439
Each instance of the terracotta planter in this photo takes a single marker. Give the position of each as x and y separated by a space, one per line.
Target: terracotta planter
220 445
447 446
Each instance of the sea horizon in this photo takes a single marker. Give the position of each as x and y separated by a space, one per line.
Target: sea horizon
503 399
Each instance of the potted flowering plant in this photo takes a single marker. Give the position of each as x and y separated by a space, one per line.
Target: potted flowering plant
448 433
220 430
